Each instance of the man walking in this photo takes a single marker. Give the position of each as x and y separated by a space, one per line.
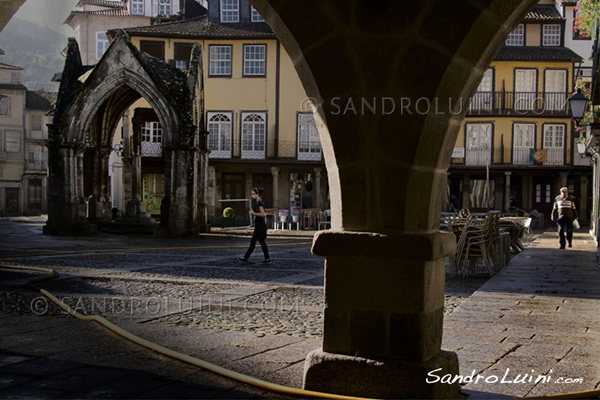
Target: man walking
564 213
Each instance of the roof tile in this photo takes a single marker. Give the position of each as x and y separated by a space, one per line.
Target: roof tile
543 12
200 27
536 53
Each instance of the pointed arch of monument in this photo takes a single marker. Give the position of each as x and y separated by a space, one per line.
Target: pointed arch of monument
91 103
390 82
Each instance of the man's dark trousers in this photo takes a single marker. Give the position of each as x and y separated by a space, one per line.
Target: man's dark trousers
565 227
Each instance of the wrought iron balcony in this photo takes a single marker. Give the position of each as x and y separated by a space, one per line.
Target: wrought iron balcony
510 156
286 150
519 103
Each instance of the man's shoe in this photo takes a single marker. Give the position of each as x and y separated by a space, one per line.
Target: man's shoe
267 261
244 260
570 245
561 247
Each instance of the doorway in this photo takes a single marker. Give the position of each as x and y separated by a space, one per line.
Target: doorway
544 191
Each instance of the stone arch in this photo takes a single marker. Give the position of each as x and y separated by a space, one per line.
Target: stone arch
384 269
90 105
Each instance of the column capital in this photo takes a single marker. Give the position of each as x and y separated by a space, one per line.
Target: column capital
417 246
275 171
507 173
318 170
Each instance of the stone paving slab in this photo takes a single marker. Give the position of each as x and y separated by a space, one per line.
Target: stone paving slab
545 304
536 314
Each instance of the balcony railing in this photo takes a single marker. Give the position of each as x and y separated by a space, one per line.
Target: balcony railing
286 150
508 156
519 103
36 166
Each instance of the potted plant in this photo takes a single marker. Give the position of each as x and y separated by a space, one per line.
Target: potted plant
228 217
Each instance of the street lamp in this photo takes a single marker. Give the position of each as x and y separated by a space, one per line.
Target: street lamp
578 103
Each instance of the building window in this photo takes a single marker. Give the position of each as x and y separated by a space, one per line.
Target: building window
551 35
555 90
523 142
13 142
101 44
34 194
137 7
554 141
220 60
152 139
255 59
164 7
153 47
219 135
484 97
35 161
478 144
309 144
36 123
15 78
230 11
182 53
516 37
256 17
526 97
254 135
5 106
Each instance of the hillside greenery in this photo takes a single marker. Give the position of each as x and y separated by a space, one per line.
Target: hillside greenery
36 49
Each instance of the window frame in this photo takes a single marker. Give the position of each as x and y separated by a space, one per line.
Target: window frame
166 5
311 154
224 148
232 12
152 139
478 154
255 152
5 106
100 41
514 35
555 157
14 134
15 78
522 159
255 15
33 124
211 71
136 5
245 62
555 36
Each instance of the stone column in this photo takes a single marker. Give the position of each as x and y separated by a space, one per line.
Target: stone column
383 315
319 202
99 204
275 174
135 209
66 204
507 191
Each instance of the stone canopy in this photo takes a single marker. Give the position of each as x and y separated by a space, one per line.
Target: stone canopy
91 103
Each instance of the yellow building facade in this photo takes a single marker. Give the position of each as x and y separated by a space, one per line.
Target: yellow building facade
517 146
261 130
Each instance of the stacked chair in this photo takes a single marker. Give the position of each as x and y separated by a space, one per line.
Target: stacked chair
479 240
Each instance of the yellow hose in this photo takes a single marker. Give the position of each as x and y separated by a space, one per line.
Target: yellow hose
212 367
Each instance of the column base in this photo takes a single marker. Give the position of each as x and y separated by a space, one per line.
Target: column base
356 376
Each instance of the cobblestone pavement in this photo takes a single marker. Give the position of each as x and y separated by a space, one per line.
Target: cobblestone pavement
188 294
